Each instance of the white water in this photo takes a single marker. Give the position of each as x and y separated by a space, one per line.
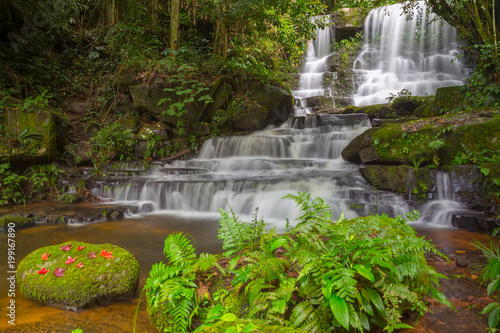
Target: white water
311 78
419 55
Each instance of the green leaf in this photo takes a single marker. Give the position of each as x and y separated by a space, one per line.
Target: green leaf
493 286
365 322
249 327
229 317
214 313
339 310
490 307
376 299
493 318
278 242
232 329
365 272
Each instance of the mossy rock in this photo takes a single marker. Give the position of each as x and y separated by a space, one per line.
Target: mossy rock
21 152
408 143
405 106
348 22
98 278
412 183
17 221
222 326
372 111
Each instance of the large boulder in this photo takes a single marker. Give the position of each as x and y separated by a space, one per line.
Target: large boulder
447 99
265 105
28 137
348 22
409 143
415 184
50 275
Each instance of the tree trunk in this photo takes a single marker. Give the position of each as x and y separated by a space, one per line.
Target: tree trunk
174 24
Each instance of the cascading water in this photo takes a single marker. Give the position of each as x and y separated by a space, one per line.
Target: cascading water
311 78
257 171
419 55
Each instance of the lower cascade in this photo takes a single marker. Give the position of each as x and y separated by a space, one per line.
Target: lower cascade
245 173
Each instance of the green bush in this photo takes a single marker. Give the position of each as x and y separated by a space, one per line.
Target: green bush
319 276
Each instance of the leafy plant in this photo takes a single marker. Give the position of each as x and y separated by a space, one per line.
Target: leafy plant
491 275
320 276
10 186
109 142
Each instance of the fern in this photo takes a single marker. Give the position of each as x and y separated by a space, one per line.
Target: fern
178 249
231 232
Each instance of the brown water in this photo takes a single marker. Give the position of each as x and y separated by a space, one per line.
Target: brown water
144 238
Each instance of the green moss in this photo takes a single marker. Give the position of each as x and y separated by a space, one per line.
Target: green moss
18 220
98 277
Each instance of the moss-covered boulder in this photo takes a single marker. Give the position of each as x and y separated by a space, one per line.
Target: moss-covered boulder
409 142
75 274
28 137
149 98
15 221
447 99
348 22
415 184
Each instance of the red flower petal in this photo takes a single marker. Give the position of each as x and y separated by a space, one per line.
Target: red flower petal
42 271
70 260
45 256
81 247
80 265
92 254
59 272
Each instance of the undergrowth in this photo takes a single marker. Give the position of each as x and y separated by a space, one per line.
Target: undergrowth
319 276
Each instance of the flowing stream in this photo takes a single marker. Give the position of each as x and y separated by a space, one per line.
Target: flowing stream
419 55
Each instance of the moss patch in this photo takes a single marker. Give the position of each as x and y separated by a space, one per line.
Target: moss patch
98 277
222 326
18 220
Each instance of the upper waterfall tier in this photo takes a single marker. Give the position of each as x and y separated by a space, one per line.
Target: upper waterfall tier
419 54
311 78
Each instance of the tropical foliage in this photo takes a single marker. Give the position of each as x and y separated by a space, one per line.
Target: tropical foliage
319 276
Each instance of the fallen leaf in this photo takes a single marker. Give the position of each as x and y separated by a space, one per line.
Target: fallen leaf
45 256
70 260
66 247
106 254
59 272
42 271
460 252
80 265
92 254
81 247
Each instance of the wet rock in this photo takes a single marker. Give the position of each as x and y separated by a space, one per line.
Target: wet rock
474 222
81 107
15 221
112 273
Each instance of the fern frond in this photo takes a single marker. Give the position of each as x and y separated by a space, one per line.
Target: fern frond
178 249
231 232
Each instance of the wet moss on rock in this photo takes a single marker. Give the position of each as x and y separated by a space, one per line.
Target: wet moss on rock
98 278
19 222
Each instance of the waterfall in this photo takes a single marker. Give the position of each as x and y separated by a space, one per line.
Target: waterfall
311 78
419 55
243 173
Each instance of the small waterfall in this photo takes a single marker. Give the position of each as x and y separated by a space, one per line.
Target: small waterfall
419 55
440 210
311 78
